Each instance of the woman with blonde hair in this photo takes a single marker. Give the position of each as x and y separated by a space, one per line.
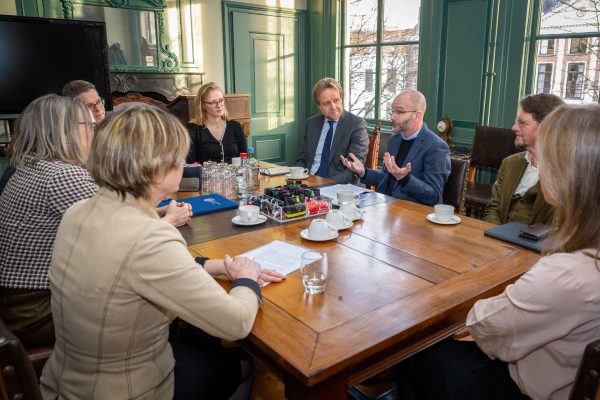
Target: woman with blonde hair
50 148
120 275
529 340
213 136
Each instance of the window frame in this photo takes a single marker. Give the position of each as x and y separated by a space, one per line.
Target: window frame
552 71
566 80
379 115
532 52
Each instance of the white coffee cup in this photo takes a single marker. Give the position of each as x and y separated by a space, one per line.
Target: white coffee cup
249 213
347 196
320 229
338 219
351 211
298 172
443 212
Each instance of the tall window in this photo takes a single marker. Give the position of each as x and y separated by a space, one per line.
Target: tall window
544 78
578 46
380 49
568 62
574 81
546 47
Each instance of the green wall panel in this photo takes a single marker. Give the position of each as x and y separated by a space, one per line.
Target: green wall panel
270 148
465 54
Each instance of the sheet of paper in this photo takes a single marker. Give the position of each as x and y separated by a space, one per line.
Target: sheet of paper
331 191
280 256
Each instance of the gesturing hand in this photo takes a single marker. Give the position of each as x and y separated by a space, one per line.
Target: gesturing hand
355 165
390 164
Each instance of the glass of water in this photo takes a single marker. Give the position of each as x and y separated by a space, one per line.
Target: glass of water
313 269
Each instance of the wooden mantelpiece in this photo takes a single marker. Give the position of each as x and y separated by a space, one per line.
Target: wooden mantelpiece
238 109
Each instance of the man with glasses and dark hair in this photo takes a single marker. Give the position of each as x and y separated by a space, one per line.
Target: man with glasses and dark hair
516 194
333 133
88 94
417 163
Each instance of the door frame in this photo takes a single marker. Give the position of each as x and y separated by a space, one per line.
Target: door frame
229 7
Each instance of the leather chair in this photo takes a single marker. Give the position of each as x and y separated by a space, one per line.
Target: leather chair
17 376
587 380
454 191
490 146
373 153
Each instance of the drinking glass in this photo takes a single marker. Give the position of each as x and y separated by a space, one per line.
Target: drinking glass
313 270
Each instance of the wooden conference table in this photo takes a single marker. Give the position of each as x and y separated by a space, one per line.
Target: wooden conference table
397 284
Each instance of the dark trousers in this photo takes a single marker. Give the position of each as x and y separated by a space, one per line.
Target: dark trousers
28 315
204 369
455 370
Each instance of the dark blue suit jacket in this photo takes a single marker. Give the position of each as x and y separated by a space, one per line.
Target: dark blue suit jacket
350 137
430 167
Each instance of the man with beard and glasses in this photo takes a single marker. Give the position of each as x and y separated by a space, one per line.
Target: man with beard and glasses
417 163
516 194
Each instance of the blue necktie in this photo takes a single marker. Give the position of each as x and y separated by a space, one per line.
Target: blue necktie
323 170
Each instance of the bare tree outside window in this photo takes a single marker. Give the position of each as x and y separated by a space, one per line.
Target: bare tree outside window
574 27
396 70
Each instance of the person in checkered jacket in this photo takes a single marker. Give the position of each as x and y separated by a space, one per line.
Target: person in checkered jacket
51 144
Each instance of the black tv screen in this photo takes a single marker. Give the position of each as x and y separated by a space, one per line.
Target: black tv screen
40 55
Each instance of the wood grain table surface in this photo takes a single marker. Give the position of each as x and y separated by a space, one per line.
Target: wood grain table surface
397 284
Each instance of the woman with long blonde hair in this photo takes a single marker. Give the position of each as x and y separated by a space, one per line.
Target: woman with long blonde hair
214 137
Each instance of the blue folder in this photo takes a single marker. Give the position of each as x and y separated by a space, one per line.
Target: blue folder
510 233
207 204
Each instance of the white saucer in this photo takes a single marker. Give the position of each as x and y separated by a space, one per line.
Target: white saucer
453 221
344 227
304 235
335 202
261 219
357 217
288 176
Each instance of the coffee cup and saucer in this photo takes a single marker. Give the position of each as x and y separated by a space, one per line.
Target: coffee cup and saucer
319 230
346 196
338 220
297 173
351 211
443 215
249 215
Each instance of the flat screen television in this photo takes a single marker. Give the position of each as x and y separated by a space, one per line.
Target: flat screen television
39 55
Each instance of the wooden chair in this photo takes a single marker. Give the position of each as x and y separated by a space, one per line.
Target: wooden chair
454 191
373 153
133 98
490 146
17 376
587 380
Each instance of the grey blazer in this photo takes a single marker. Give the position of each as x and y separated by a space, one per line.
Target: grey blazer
350 137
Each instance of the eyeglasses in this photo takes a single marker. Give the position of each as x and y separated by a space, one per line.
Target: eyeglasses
99 104
523 124
400 113
215 103
91 125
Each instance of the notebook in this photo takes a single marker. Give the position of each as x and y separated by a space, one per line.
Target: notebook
275 171
510 233
206 204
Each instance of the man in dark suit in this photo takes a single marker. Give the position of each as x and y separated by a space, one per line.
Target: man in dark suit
417 163
332 134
